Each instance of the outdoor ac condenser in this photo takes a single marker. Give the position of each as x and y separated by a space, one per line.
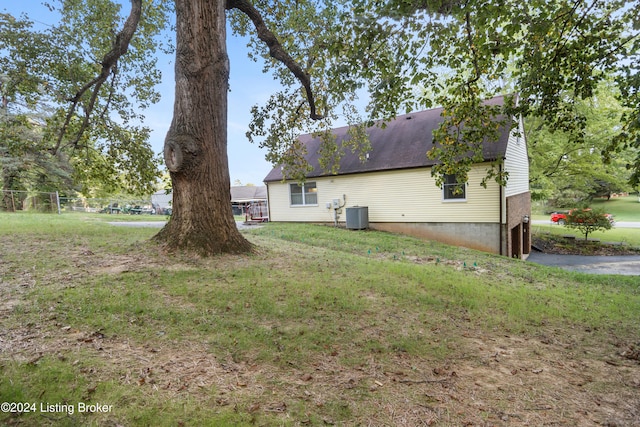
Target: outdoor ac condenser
357 217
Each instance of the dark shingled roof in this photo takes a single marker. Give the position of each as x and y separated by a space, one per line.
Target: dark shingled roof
403 144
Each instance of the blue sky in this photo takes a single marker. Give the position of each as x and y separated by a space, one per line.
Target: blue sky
249 86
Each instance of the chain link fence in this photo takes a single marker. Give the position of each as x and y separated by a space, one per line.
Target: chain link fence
35 201
51 202
109 205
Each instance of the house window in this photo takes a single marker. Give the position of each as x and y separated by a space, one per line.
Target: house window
305 194
453 190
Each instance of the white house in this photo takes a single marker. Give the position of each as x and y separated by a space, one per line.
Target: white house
399 193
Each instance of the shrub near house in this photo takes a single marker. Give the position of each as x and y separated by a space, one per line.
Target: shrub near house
589 220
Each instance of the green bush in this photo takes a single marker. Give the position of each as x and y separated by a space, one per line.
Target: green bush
588 220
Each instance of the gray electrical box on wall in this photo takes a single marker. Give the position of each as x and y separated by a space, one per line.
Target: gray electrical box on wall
357 217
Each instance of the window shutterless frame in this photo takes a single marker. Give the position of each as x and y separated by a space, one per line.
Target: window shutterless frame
303 194
452 190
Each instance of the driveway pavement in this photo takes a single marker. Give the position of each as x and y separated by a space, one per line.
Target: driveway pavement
628 265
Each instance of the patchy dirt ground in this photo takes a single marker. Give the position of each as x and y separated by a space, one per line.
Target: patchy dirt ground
556 378
493 380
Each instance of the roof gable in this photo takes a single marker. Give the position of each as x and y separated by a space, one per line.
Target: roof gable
402 144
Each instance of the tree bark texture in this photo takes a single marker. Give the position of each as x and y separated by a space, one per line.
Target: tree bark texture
195 149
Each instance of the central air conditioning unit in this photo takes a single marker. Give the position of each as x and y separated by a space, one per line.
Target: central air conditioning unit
357 217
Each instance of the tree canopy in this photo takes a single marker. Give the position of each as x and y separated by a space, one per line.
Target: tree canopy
405 55
83 108
565 171
393 56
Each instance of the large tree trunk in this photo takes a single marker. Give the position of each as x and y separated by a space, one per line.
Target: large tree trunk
195 148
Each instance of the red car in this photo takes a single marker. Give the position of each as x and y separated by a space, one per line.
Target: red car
561 217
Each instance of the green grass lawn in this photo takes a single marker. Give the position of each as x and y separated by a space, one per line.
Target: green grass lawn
320 326
622 208
125 217
122 217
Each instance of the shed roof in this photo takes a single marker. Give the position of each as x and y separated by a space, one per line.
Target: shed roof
248 193
402 144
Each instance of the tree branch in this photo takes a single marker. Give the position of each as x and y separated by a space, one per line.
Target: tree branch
555 168
276 50
472 48
109 64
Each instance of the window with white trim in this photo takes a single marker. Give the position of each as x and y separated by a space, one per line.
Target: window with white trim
453 190
305 194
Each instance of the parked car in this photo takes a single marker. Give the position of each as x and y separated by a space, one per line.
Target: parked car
139 210
111 209
560 217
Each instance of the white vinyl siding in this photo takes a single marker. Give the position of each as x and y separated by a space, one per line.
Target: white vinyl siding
408 195
516 162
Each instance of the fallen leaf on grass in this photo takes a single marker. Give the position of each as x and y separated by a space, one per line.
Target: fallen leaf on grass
35 359
439 371
278 407
632 352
